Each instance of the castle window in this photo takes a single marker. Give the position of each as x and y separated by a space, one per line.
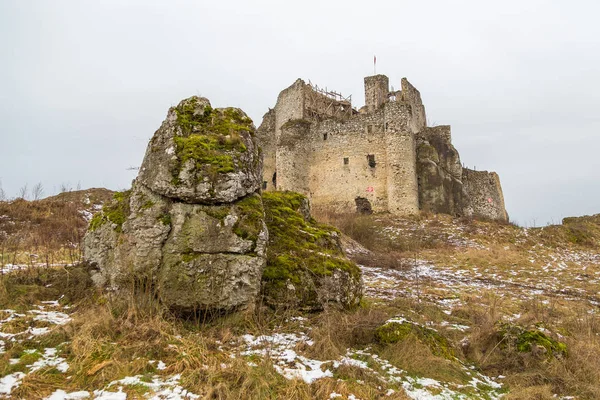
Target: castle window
369 128
371 159
264 186
274 179
346 161
386 126
324 136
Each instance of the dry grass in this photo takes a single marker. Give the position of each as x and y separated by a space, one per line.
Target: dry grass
542 286
531 374
47 231
336 331
111 337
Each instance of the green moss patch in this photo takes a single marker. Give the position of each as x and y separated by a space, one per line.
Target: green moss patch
525 340
211 137
165 219
250 217
115 211
398 331
299 249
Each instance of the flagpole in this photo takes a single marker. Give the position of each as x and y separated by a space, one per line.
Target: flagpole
374 65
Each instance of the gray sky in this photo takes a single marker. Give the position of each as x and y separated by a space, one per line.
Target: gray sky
84 84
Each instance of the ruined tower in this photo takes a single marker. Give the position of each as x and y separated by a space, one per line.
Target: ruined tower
376 91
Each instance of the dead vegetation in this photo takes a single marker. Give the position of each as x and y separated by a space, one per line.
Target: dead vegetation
519 305
522 293
47 231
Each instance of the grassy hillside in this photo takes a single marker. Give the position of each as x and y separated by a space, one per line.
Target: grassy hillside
453 309
47 231
524 302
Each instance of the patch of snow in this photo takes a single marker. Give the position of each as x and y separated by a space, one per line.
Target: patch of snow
105 395
161 389
8 382
62 395
54 317
49 359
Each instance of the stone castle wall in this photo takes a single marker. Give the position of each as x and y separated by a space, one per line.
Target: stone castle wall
349 161
484 194
334 162
336 157
411 96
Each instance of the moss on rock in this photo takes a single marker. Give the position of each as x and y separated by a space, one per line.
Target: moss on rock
525 340
211 137
115 211
300 251
250 217
397 331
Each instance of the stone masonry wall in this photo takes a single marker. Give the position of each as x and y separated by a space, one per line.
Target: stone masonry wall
412 97
371 155
442 132
294 157
341 169
290 105
376 91
402 187
484 194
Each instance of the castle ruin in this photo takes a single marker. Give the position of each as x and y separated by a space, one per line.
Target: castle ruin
382 157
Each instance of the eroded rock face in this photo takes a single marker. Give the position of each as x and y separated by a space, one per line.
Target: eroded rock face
439 172
203 155
192 225
306 268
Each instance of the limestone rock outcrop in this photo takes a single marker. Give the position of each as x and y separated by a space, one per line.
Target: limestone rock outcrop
306 266
446 187
192 226
439 172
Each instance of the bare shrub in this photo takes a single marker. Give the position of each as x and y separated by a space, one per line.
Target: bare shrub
23 192
37 191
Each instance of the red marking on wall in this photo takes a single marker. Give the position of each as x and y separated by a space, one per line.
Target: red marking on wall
490 200
370 189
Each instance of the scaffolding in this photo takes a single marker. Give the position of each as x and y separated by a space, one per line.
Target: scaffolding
322 103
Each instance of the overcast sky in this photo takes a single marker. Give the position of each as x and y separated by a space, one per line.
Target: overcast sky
84 84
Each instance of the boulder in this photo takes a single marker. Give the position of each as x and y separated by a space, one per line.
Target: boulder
214 256
192 225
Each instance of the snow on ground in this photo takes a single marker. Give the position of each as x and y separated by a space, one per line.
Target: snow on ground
51 314
440 283
159 388
281 349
